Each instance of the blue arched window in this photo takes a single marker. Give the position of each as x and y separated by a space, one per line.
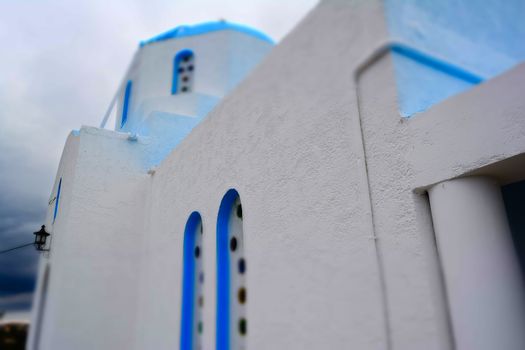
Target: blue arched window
55 212
183 72
192 281
231 270
125 105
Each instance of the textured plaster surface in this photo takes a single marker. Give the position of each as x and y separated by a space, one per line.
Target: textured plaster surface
480 127
95 251
470 131
339 247
402 223
287 141
66 170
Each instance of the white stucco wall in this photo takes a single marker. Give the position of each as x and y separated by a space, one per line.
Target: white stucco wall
338 234
289 139
402 223
41 321
286 140
95 251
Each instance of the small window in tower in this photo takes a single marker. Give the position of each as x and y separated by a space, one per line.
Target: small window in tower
183 72
125 105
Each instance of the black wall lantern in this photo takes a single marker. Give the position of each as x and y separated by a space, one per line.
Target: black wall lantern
40 238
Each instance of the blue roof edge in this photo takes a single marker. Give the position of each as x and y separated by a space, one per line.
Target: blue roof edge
203 28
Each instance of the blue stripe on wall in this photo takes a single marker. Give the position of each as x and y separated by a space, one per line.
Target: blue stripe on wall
423 80
204 28
125 107
437 64
58 198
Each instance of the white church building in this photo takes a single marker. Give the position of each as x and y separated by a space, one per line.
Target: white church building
359 185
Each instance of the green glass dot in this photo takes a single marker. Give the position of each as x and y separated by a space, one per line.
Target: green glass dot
242 326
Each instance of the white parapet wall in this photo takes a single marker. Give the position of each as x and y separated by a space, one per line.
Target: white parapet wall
96 243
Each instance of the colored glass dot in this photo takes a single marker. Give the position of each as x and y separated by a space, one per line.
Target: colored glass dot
201 277
241 295
201 229
242 326
241 265
190 68
239 211
185 79
201 301
184 89
233 244
181 70
197 252
199 327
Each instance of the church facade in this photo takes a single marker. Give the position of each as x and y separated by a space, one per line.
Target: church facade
358 185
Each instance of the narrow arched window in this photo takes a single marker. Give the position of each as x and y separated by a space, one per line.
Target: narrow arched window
231 274
57 199
125 105
192 282
183 72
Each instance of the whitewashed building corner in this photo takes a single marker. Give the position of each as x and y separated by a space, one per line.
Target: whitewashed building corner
359 185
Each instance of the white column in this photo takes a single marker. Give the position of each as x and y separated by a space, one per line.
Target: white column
482 277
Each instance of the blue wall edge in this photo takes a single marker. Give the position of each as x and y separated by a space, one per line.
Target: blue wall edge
203 28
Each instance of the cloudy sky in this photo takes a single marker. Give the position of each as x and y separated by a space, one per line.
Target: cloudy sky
60 63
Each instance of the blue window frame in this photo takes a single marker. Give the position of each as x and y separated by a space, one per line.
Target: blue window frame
57 199
183 72
192 282
125 105
231 268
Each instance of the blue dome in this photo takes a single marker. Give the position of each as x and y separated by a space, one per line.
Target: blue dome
203 28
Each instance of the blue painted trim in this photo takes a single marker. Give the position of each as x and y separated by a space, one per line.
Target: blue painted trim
125 106
204 28
56 201
435 63
176 62
223 271
188 282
